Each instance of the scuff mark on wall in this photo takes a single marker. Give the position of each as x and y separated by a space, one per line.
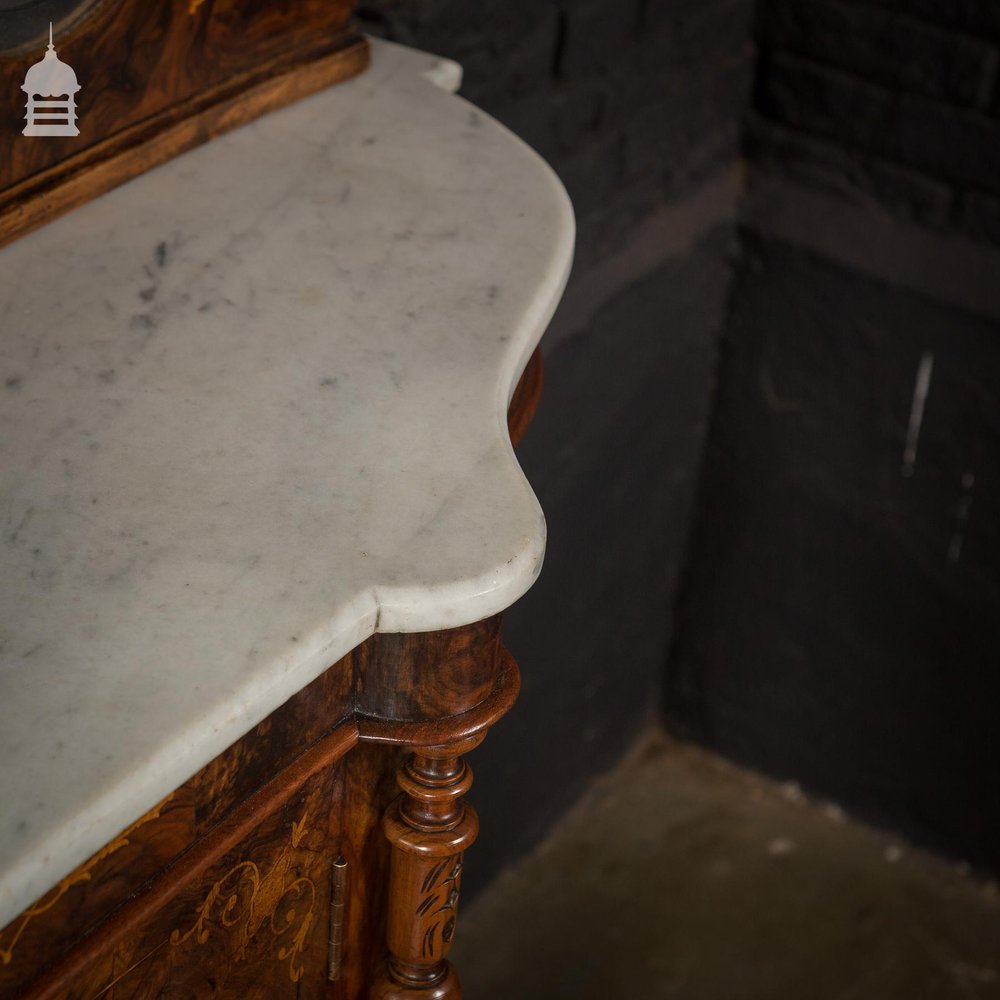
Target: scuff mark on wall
921 387
961 517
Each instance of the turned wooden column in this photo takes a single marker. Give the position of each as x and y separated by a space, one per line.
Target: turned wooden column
429 827
474 681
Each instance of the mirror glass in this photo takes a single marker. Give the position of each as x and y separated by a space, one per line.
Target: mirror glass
24 24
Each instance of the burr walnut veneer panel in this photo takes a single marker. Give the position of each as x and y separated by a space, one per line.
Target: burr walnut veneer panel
158 78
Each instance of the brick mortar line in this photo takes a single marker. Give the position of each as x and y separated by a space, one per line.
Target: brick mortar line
776 55
671 232
947 267
968 34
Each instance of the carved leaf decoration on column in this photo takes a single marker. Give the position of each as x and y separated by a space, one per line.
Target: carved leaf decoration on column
439 905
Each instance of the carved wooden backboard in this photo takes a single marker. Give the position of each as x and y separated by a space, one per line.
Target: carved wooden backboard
156 77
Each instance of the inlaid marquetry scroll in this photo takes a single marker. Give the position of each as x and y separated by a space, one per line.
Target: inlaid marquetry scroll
11 934
244 900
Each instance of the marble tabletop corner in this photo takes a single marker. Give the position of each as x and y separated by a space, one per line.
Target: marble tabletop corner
254 413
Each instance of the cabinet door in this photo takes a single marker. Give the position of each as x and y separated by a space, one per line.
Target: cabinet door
254 925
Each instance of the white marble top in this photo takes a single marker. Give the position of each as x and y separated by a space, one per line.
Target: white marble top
252 410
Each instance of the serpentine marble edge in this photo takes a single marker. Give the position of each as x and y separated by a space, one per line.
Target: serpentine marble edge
252 410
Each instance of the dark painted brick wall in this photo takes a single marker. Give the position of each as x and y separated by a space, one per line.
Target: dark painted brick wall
892 99
634 103
841 620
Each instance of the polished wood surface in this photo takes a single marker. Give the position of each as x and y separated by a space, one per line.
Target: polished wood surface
159 78
354 787
524 402
407 678
111 916
177 844
429 826
241 915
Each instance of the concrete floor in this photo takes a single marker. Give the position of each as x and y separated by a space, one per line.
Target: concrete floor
681 876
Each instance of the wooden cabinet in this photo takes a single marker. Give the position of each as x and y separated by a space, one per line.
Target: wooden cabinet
319 856
261 430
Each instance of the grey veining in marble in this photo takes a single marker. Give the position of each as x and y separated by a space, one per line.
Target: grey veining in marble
252 409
